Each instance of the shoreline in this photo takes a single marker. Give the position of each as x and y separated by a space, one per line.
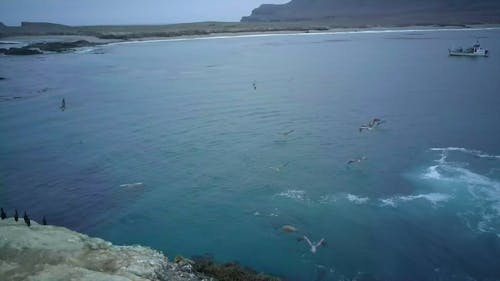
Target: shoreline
333 31
26 39
47 44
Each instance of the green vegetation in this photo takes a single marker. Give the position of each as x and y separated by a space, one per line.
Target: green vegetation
230 271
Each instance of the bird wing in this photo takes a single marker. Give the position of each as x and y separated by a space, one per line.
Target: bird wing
320 242
308 241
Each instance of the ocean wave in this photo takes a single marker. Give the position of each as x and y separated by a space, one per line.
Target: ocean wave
320 33
131 185
295 194
388 202
434 198
357 199
327 199
452 173
477 153
478 193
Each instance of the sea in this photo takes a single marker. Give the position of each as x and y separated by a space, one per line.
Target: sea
209 146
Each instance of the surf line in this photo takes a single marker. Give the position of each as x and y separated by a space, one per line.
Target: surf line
319 33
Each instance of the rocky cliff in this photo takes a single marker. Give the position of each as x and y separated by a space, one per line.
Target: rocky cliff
43 252
381 12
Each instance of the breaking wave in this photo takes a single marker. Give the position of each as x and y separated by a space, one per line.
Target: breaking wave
478 194
477 153
434 198
299 195
357 199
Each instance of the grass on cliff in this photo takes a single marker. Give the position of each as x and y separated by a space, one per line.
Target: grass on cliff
230 271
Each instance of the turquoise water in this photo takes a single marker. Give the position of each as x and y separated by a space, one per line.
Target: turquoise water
217 175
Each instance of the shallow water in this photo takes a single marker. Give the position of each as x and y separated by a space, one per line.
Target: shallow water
167 144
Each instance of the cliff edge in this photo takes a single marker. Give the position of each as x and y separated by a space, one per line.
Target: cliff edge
45 252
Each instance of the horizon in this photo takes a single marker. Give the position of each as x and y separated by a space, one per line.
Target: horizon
115 12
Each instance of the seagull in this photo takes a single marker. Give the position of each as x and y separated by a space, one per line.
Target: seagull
376 122
357 160
2 214
278 169
321 242
27 219
16 216
365 127
287 133
372 124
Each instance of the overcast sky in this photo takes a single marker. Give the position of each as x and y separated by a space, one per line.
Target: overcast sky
89 12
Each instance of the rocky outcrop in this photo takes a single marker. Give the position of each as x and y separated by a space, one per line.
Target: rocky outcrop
61 46
43 252
381 12
39 48
20 51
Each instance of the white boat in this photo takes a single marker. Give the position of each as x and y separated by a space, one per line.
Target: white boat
474 51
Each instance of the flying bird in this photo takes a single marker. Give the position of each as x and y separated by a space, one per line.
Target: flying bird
278 169
313 246
356 160
287 133
375 122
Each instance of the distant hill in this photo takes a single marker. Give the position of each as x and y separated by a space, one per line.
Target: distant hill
381 12
35 28
44 26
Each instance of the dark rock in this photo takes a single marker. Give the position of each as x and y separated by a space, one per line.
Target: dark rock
20 51
27 219
61 46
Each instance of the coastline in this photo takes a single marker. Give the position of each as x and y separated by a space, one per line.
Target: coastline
65 43
229 35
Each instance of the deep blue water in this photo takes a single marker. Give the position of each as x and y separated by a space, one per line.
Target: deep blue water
218 176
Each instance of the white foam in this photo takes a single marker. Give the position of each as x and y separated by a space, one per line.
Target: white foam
388 202
433 198
136 184
327 199
293 194
432 173
480 190
356 199
321 33
474 152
